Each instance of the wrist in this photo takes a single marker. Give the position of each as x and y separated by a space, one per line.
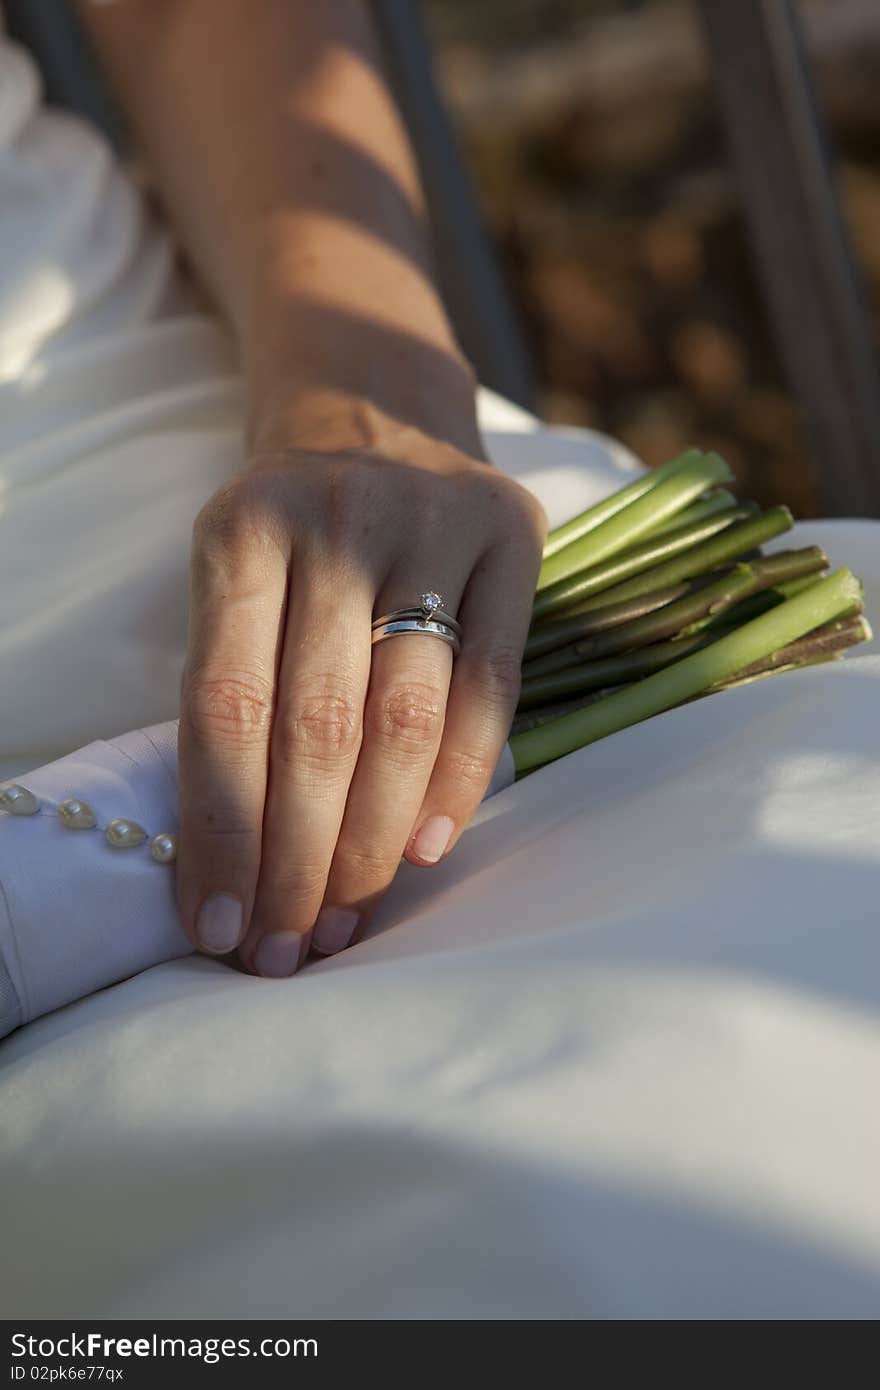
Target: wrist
341 334
326 421
295 409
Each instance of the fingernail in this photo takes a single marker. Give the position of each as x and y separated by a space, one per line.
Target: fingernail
279 954
431 839
219 923
334 929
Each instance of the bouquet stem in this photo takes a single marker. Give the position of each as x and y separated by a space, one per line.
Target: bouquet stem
651 554
679 608
824 644
827 643
558 632
581 676
685 616
827 600
550 692
718 501
732 543
594 517
632 522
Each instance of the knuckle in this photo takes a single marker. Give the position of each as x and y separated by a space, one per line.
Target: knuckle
294 891
532 512
321 720
524 503
236 709
351 500
411 713
235 530
224 519
468 770
516 508
346 493
366 864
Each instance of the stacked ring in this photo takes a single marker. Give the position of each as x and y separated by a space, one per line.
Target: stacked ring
429 617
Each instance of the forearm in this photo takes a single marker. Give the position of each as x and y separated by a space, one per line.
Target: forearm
280 155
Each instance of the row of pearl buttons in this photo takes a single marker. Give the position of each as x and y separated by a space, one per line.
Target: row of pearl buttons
78 815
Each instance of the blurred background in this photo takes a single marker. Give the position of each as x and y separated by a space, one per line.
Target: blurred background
593 135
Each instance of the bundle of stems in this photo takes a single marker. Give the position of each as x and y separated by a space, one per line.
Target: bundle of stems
661 594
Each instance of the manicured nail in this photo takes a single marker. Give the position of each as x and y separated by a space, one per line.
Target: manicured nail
431 839
219 923
279 954
334 929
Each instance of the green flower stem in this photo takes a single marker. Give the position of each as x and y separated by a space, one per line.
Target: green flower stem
651 554
769 671
534 718
633 521
732 543
796 586
759 603
572 655
619 669
744 612
825 643
544 692
688 614
827 600
546 637
594 517
678 609
829 643
718 501
543 714
767 573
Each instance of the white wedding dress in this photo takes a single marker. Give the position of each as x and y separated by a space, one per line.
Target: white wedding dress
618 1057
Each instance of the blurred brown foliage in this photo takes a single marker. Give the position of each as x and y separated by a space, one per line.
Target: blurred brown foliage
596 147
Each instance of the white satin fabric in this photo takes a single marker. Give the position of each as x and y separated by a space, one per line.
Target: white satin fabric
616 1058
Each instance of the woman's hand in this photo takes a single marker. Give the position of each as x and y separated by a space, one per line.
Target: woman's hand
310 763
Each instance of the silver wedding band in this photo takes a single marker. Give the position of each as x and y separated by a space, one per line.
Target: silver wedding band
428 617
402 625
418 615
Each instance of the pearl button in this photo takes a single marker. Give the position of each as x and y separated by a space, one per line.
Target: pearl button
125 834
18 800
76 814
163 848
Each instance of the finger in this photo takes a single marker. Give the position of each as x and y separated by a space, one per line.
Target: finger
495 616
316 736
237 600
403 726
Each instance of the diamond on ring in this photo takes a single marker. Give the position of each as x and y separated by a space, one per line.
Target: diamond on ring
427 615
431 602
